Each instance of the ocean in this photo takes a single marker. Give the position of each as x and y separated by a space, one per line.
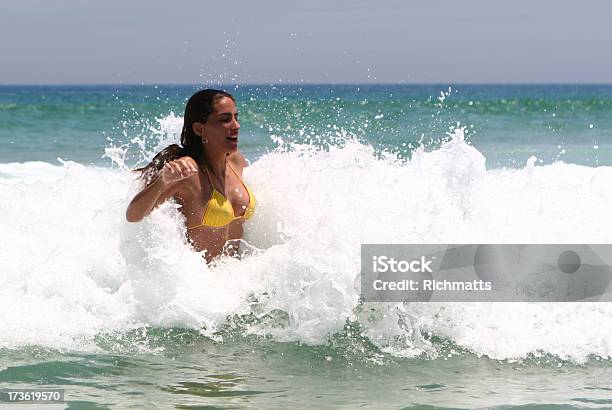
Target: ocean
124 315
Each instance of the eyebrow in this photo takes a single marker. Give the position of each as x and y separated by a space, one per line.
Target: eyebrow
227 113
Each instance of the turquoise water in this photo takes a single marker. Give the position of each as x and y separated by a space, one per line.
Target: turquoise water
508 124
127 315
193 372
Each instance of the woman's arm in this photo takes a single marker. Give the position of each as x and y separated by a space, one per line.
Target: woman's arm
167 182
147 199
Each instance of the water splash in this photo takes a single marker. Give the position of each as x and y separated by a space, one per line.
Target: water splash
300 282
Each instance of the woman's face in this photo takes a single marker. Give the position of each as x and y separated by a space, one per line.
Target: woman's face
221 128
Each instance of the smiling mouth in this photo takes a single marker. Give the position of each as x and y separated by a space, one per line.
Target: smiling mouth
235 138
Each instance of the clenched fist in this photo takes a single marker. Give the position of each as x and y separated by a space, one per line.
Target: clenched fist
178 169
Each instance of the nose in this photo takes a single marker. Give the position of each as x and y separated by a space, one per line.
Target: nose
236 124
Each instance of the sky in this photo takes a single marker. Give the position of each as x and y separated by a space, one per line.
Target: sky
314 41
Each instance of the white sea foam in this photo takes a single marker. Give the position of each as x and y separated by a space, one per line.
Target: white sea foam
73 268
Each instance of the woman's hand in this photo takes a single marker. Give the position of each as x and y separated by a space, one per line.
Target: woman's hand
163 186
178 169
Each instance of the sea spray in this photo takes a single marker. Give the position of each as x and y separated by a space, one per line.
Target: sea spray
71 254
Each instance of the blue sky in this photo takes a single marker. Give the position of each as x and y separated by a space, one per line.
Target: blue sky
189 41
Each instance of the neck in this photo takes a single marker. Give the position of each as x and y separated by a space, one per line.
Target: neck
216 165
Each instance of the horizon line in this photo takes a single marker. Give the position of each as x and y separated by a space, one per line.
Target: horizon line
298 84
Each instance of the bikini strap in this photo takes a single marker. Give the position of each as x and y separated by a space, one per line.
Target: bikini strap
208 175
230 165
241 180
239 177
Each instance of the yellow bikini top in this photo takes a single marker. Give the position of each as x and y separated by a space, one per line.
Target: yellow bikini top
219 210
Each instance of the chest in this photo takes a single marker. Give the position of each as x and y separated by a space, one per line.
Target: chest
207 203
235 197
232 201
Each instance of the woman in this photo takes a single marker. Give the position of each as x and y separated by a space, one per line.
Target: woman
204 175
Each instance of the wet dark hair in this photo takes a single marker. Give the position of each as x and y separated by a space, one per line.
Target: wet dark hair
198 109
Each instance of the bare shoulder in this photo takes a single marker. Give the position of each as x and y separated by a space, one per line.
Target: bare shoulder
238 160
